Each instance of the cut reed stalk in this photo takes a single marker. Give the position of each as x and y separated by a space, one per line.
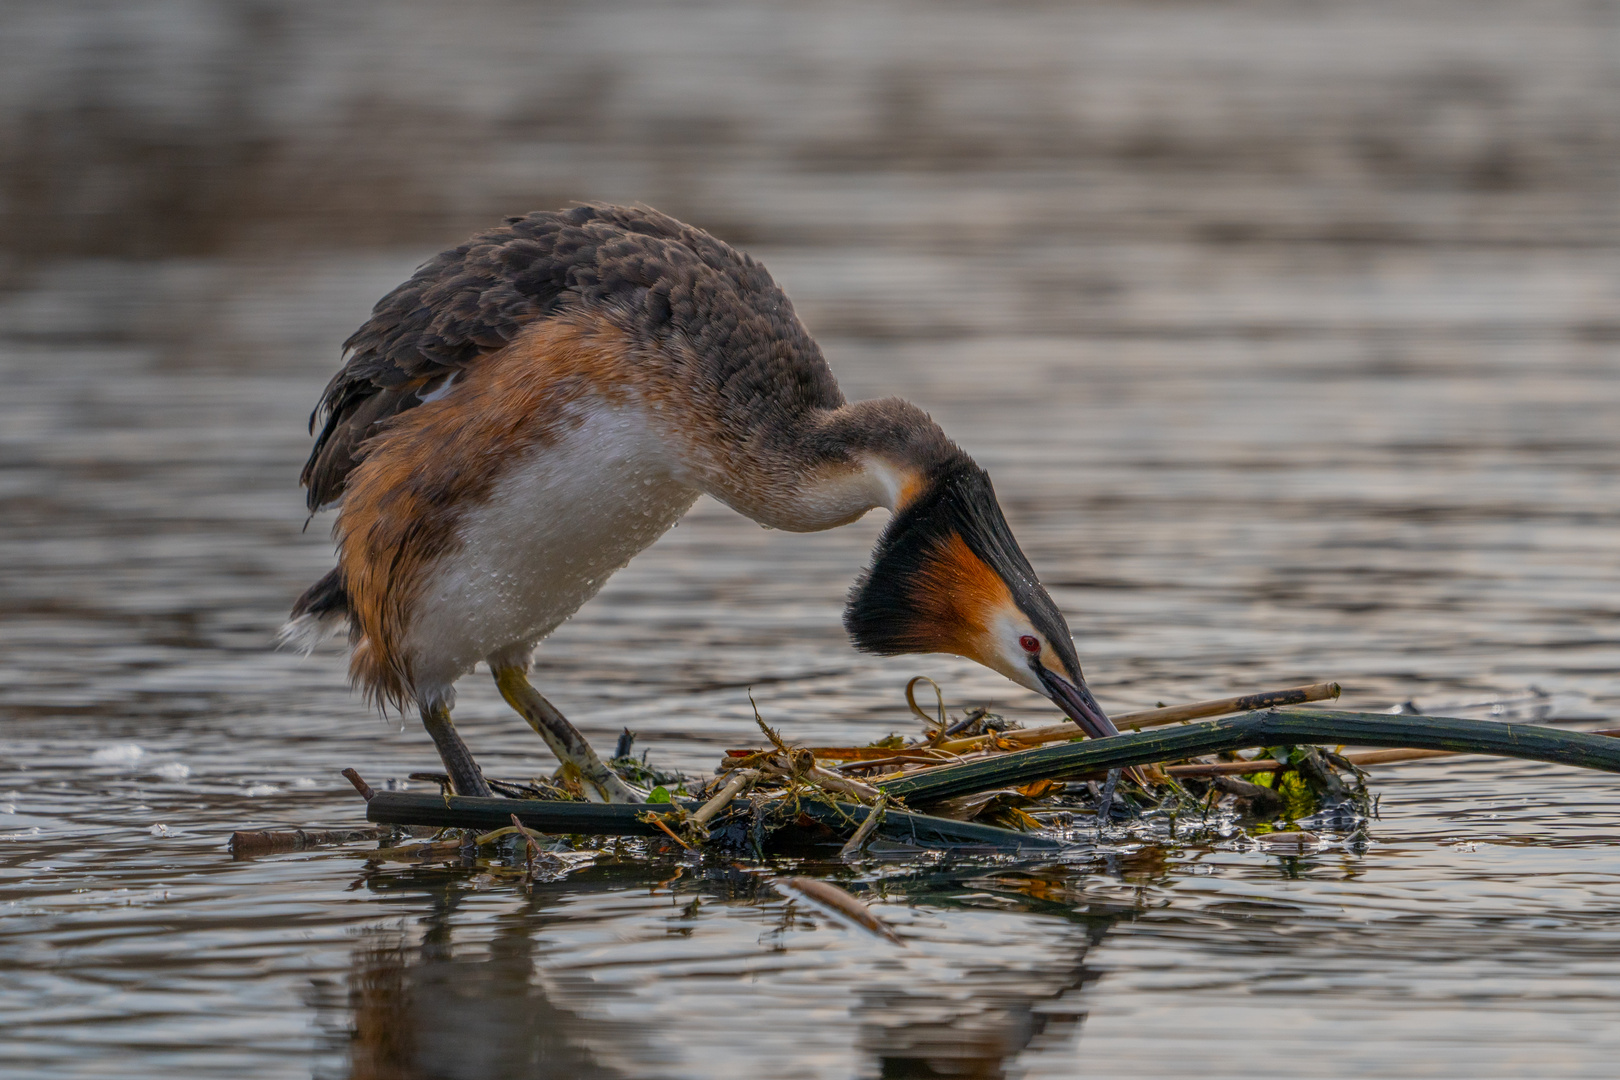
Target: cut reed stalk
739 780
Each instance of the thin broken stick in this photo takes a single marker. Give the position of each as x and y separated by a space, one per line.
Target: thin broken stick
658 822
853 753
895 759
1136 721
1199 710
533 839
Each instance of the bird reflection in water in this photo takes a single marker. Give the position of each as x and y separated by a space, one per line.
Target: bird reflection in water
974 1028
498 1005
973 1031
422 1012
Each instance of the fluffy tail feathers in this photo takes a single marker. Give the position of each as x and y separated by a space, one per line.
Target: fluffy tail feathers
322 612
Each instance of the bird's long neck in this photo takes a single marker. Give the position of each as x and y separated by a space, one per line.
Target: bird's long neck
828 467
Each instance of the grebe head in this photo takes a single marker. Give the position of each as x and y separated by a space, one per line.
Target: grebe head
947 576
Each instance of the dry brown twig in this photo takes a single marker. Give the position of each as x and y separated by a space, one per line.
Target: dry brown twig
798 764
1021 739
1174 714
800 768
531 845
660 824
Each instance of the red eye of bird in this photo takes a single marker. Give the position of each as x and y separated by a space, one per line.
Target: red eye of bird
1031 644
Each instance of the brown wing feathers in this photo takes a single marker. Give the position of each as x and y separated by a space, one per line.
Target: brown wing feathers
458 306
655 274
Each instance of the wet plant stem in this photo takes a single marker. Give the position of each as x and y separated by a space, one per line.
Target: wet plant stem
1360 761
1105 801
858 841
1274 727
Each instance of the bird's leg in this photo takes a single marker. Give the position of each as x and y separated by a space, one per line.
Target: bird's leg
565 741
466 778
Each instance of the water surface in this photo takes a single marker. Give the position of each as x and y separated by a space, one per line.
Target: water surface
1289 340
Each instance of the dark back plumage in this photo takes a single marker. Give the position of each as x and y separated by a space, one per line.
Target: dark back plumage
657 277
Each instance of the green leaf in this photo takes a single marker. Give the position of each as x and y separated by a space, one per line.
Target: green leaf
1283 755
658 794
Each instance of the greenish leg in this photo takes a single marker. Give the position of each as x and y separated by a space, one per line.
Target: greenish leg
563 738
466 778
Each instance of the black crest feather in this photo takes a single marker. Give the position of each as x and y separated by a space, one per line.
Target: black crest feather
888 612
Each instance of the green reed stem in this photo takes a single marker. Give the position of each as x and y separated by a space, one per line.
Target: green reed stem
1260 729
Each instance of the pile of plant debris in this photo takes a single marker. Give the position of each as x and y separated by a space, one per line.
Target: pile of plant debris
1284 786
979 783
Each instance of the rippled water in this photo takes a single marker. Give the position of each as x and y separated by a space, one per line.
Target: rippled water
1292 352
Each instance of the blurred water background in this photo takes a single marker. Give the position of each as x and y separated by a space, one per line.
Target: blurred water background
1288 331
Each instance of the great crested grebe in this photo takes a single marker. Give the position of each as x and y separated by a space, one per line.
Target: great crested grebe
534 407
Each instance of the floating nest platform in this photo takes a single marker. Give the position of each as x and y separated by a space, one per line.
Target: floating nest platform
977 786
